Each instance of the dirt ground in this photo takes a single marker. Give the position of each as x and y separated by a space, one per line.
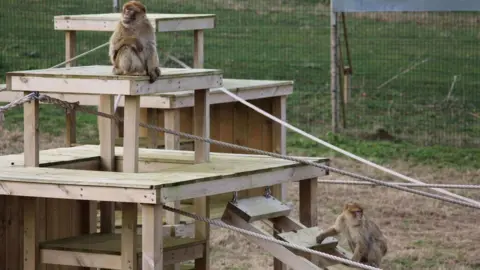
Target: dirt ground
423 233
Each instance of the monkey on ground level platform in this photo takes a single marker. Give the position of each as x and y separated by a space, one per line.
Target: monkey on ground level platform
133 45
363 236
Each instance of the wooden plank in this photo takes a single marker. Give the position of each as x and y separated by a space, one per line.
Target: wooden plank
280 252
98 79
160 22
152 119
279 145
307 238
14 232
308 202
257 208
110 243
107 136
172 121
152 237
31 159
289 224
246 89
70 115
129 236
114 261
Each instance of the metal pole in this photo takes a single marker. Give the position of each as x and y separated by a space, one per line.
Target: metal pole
116 7
333 69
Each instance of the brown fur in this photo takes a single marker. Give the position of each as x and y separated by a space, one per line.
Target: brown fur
133 45
363 235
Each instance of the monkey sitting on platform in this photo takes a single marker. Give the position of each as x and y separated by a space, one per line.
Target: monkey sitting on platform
364 237
133 45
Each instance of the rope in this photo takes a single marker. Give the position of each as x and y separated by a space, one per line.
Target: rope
331 146
222 224
347 182
68 105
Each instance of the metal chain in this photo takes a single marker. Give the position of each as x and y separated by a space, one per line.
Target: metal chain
222 224
61 103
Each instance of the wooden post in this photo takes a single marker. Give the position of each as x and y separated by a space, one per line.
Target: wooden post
201 119
333 71
107 155
70 115
152 119
279 109
347 84
152 237
308 206
172 142
130 165
31 159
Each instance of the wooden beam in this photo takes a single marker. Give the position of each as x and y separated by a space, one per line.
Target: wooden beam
279 145
279 251
31 159
201 119
130 165
107 160
152 237
172 121
70 115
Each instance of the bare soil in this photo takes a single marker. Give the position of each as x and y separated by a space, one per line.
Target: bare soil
423 233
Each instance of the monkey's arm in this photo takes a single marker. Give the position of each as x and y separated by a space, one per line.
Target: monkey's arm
332 231
152 63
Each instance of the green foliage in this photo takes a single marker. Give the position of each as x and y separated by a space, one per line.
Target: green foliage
259 40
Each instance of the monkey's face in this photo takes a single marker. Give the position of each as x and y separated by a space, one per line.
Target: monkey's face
355 211
132 11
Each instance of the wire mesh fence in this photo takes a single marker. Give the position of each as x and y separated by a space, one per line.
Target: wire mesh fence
414 74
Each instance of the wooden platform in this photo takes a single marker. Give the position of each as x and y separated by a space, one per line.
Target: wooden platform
95 247
99 79
179 178
160 22
246 89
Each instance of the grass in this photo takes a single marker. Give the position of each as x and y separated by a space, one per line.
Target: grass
431 127
266 40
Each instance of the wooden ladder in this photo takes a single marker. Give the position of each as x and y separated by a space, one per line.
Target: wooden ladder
243 212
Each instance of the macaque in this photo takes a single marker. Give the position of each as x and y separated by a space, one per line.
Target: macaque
363 235
133 45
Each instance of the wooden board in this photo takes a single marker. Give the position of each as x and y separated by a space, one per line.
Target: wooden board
161 22
258 208
222 165
307 238
246 89
99 79
110 243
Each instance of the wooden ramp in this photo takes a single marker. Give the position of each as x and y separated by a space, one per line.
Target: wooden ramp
243 212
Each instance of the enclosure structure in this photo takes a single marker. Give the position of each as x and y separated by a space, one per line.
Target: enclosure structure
176 108
52 194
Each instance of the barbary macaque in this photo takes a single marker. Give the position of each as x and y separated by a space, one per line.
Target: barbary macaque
133 45
364 237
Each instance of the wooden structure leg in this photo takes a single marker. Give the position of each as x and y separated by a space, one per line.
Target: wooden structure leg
308 207
107 156
130 165
202 154
70 115
279 137
152 119
201 119
172 142
31 159
152 237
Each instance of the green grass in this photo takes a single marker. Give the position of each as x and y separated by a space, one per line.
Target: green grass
256 41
